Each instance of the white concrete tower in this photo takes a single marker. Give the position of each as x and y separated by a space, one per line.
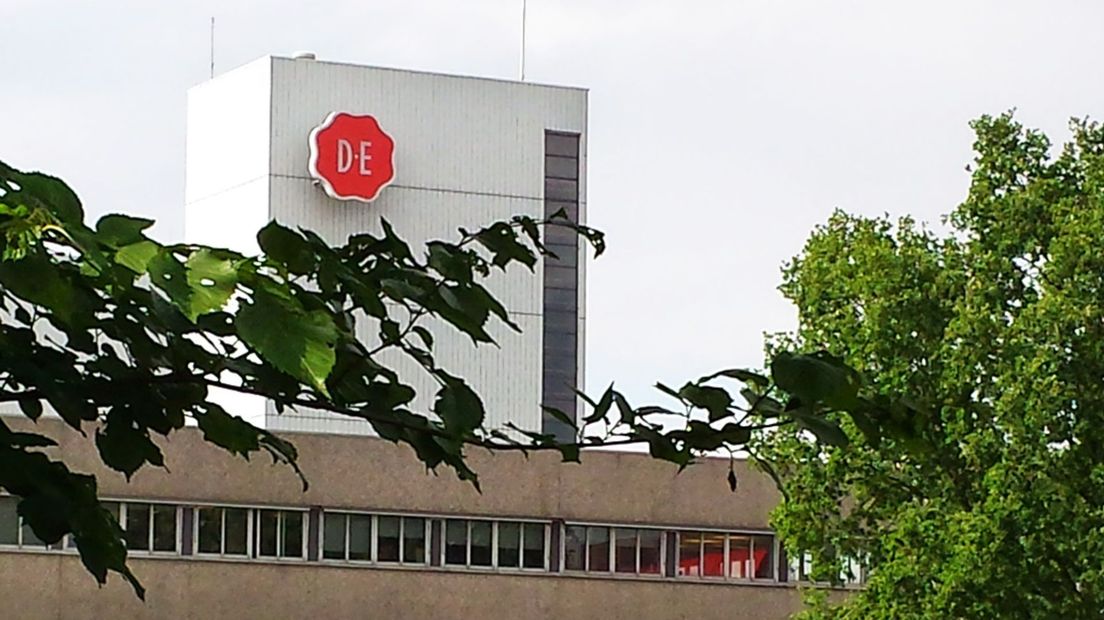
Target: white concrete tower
467 151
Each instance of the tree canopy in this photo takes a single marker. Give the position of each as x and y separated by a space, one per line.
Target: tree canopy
126 339
991 505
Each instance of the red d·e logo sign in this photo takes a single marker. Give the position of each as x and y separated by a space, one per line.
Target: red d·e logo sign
351 156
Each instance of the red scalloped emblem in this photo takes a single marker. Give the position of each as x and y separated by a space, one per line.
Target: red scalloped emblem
351 157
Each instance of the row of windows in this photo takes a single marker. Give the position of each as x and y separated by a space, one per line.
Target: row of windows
419 541
146 527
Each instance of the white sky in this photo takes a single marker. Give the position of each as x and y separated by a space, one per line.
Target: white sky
721 131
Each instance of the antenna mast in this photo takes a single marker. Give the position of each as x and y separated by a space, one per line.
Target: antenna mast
523 7
212 46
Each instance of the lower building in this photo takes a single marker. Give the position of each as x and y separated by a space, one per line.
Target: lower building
375 535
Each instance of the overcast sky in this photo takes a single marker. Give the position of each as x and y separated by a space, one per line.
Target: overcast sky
721 132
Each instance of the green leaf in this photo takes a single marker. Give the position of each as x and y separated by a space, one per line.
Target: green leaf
49 192
227 431
126 448
824 429
818 378
38 280
424 334
212 276
713 399
459 407
31 407
296 342
560 415
761 404
137 256
287 247
602 407
740 374
121 230
501 239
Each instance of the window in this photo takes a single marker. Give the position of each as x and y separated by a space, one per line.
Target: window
533 540
720 555
389 539
278 533
360 537
222 531
456 542
480 552
495 544
651 552
852 571
619 550
575 547
598 549
148 527
414 540
13 531
509 545
763 564
349 536
689 563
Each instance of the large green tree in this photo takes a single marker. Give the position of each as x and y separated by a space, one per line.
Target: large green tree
126 339
990 502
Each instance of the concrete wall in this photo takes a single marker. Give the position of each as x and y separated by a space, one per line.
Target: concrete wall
367 473
351 471
41 586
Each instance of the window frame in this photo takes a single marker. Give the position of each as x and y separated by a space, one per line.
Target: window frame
178 526
546 529
249 534
20 527
611 530
727 559
254 548
375 536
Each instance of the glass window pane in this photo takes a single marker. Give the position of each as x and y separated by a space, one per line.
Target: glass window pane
739 557
414 543
480 543
112 507
624 560
138 527
30 539
713 554
575 547
333 536
689 557
267 522
9 521
237 531
509 544
534 545
763 557
456 542
164 527
360 537
598 549
293 534
210 530
651 559
388 550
